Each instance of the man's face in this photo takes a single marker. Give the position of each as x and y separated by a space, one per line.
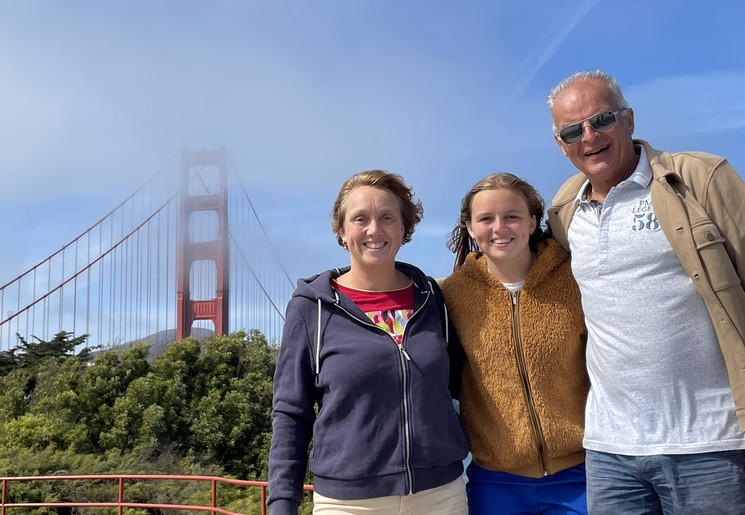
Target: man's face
606 158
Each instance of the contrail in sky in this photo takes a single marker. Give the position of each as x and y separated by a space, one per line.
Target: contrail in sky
537 59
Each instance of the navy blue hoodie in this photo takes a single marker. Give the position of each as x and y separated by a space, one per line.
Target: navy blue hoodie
385 424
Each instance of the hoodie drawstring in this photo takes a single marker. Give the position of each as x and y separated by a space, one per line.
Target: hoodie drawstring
318 326
318 340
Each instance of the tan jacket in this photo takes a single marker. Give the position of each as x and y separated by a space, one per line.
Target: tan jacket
524 380
699 201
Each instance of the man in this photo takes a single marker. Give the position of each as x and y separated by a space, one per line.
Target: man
658 251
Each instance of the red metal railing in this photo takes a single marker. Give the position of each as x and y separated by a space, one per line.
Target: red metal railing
120 503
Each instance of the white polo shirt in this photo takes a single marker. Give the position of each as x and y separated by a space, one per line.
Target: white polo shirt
658 379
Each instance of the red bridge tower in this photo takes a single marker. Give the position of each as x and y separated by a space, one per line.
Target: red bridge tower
193 166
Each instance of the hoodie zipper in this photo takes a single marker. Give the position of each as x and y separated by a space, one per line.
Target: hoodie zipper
526 384
405 390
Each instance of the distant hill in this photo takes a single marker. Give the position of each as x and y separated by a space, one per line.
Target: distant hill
160 340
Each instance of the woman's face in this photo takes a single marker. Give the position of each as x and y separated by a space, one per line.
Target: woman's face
501 225
373 228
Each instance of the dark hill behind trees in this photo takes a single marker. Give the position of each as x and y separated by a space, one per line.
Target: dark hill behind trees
162 339
196 409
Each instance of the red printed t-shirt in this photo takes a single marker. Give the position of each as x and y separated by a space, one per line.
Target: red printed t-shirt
389 310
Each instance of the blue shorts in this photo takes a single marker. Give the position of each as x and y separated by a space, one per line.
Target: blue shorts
492 493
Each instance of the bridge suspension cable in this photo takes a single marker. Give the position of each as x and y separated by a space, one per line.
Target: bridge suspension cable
117 281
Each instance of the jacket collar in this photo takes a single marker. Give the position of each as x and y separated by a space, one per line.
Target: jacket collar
663 168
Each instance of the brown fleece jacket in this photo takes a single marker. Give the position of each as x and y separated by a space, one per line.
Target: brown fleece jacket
524 379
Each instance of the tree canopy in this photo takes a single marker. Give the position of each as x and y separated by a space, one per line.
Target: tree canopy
195 408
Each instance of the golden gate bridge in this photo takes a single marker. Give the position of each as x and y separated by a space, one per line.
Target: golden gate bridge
177 258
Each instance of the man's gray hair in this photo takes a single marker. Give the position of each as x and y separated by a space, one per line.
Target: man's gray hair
598 75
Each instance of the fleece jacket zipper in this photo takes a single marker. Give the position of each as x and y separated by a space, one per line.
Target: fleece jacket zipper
540 441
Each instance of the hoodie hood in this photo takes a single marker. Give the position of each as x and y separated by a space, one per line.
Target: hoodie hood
318 287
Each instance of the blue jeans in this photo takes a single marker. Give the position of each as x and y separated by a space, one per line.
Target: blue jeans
683 484
492 493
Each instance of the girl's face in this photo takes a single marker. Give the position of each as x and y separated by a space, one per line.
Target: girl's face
501 225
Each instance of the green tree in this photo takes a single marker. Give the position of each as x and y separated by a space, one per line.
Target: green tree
175 384
30 431
8 361
14 394
196 408
55 396
101 385
126 413
29 354
232 423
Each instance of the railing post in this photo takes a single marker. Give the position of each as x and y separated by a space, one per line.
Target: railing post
214 495
121 494
4 486
263 500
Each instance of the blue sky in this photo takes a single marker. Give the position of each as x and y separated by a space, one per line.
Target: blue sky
97 96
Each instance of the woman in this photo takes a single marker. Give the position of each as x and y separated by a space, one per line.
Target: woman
516 309
365 345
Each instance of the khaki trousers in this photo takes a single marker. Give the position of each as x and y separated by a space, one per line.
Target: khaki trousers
449 499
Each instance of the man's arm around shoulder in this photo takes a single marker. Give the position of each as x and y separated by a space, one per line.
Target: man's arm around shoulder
562 210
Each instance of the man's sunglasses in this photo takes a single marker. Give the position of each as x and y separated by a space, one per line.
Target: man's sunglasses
601 122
